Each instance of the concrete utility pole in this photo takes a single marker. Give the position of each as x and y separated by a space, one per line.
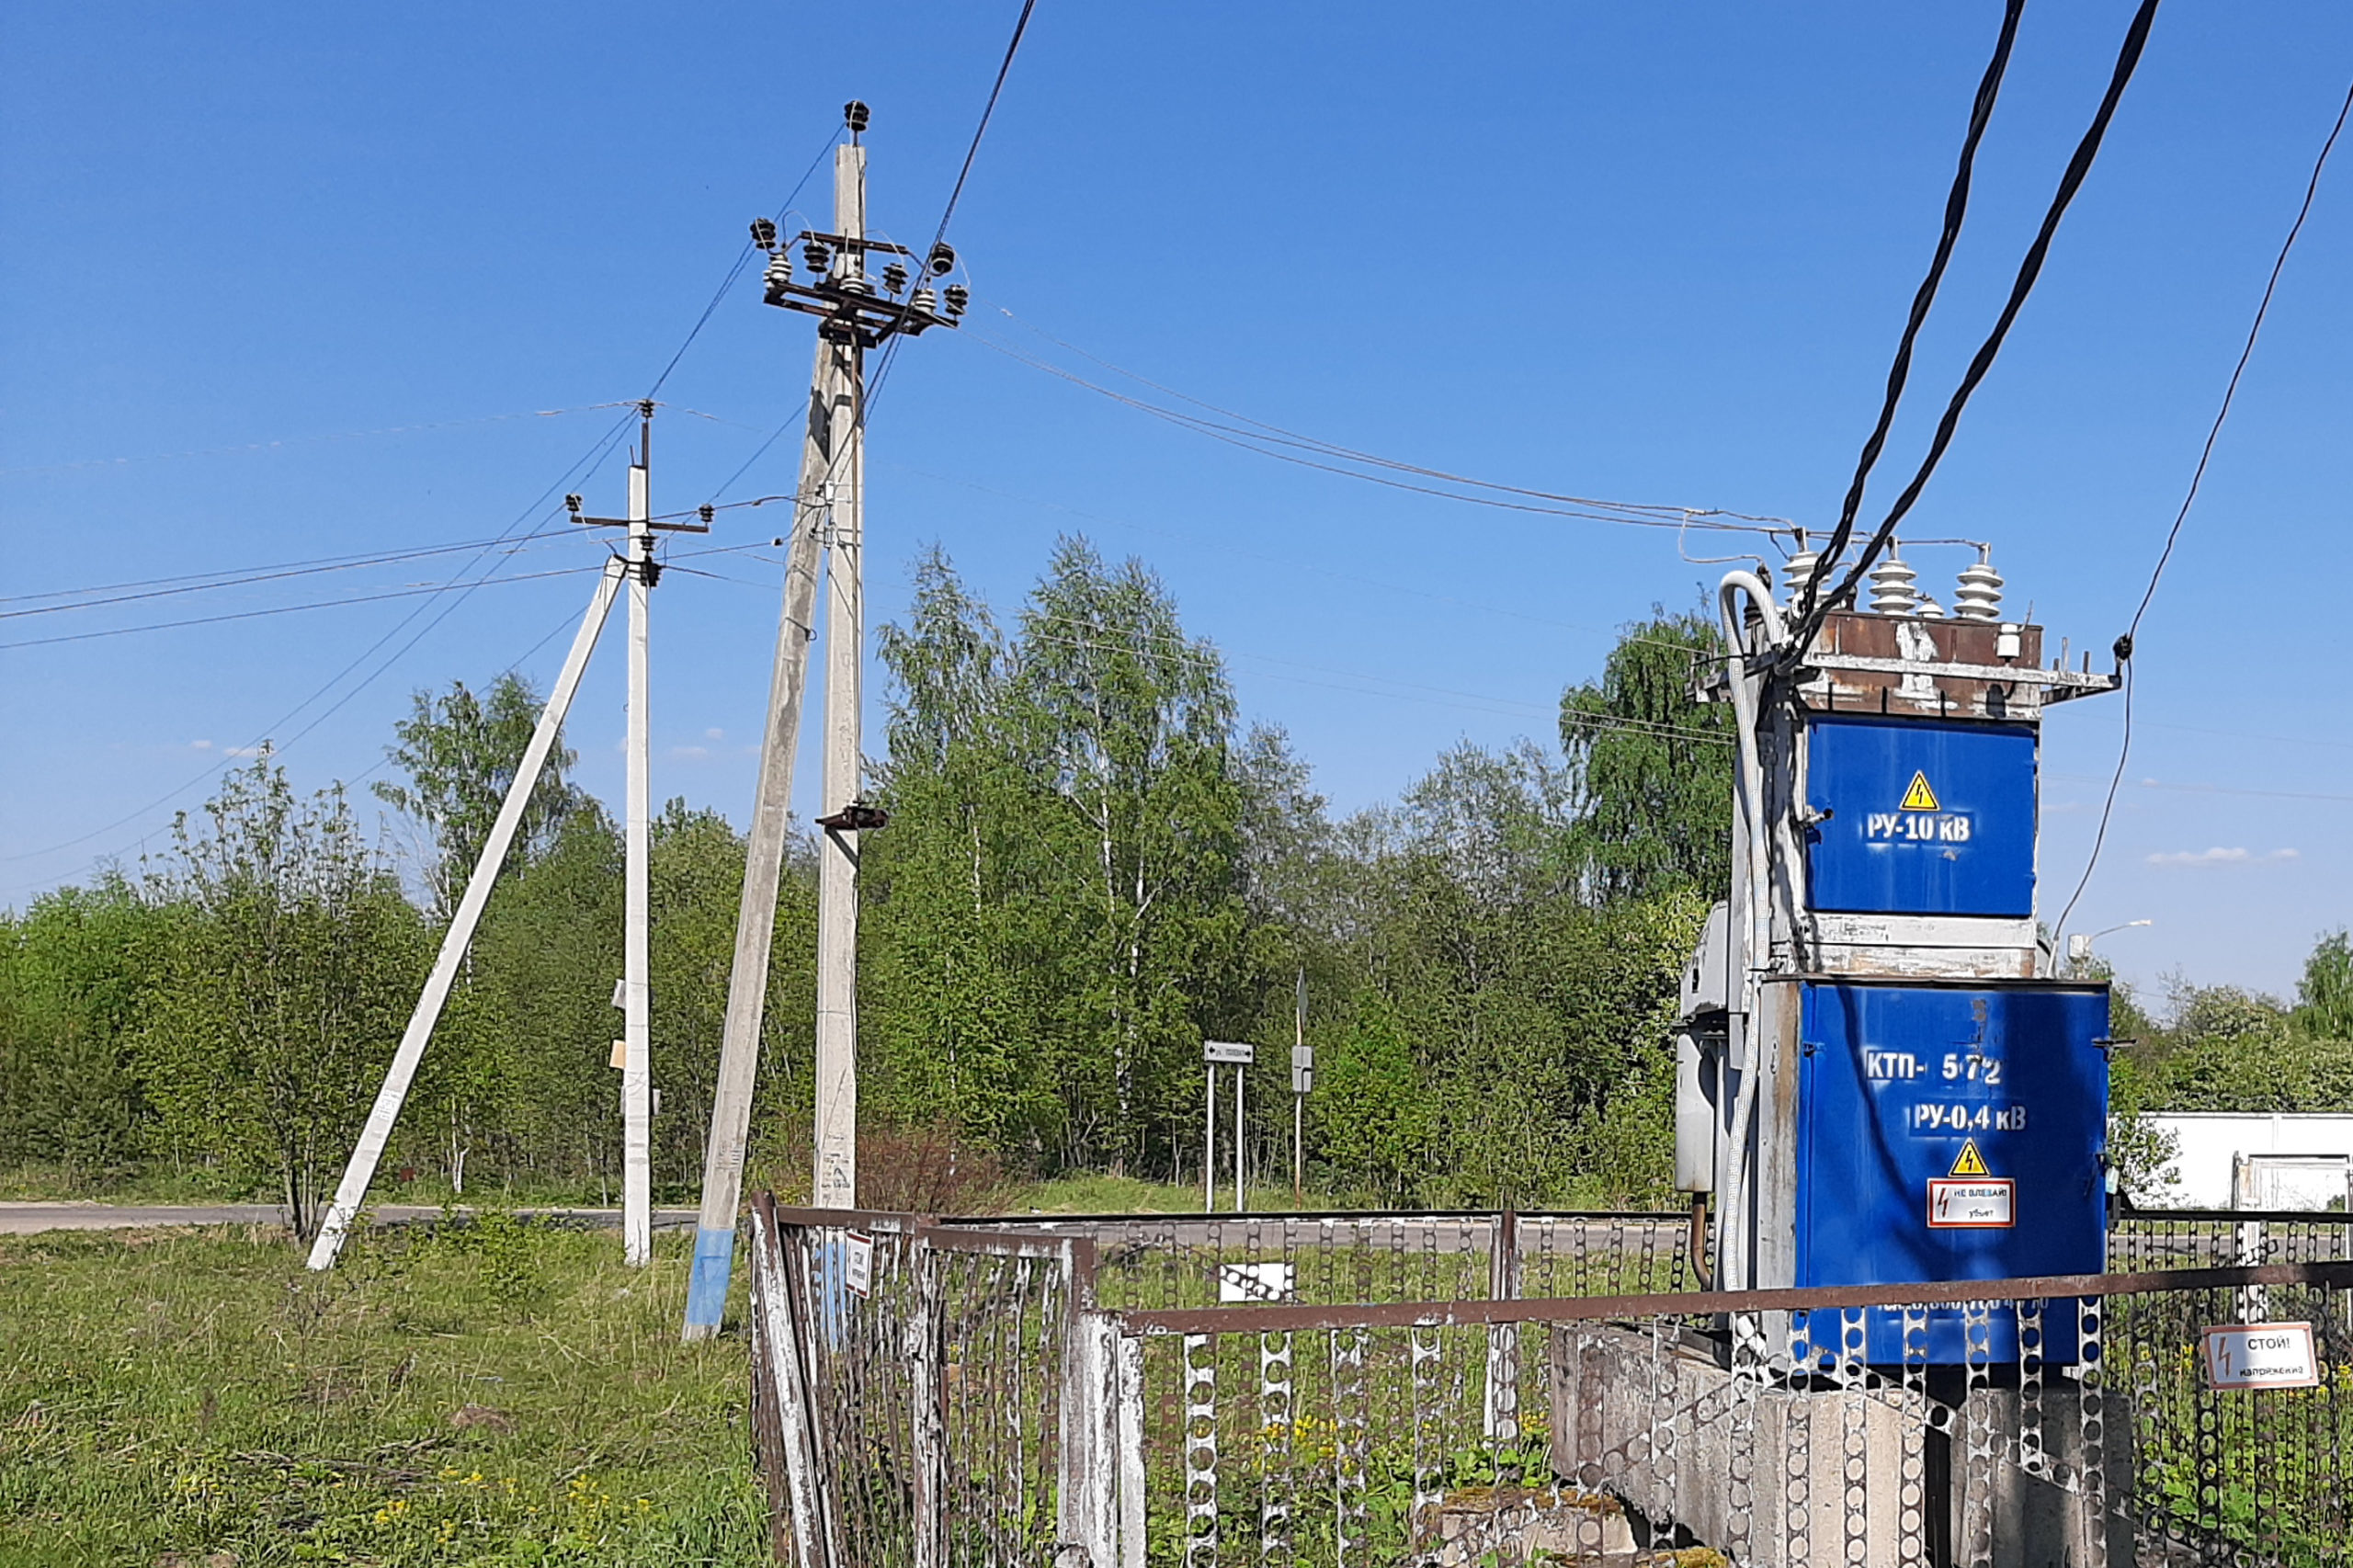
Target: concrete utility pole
854 317
843 779
636 993
637 1109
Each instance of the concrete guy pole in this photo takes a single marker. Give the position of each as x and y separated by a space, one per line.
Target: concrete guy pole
739 1054
357 1175
637 1110
836 1111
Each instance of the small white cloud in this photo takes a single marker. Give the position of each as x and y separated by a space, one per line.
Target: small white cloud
714 734
2219 855
690 751
202 746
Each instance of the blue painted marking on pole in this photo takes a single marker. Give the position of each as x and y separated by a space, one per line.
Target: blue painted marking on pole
707 1285
832 1295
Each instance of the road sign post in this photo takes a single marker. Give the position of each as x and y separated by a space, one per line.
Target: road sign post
1214 1054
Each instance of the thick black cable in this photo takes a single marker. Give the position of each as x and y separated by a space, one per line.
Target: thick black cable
2127 58
2196 478
988 112
1981 113
956 192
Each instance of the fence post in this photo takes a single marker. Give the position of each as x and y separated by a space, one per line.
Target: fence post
927 1385
1501 1421
1129 1430
780 1333
1088 1511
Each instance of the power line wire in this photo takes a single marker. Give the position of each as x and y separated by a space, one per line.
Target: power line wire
1956 210
1671 515
258 574
956 193
1635 514
2127 58
2189 497
588 460
743 259
271 446
408 593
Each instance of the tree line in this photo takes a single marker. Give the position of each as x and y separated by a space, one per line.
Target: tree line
1091 866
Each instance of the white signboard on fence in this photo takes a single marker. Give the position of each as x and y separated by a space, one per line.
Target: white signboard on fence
1257 1282
858 1263
2261 1356
1228 1054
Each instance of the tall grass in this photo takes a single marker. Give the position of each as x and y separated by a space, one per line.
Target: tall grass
485 1393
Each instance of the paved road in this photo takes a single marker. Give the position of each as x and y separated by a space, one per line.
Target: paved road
25 1219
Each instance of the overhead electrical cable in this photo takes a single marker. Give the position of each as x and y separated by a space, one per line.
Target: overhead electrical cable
407 593
1981 112
259 575
1666 513
587 461
2136 37
1631 514
2189 497
956 192
463 590
743 259
304 440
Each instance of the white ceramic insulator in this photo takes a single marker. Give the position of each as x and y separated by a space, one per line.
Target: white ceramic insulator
1929 609
1978 596
1891 591
1795 570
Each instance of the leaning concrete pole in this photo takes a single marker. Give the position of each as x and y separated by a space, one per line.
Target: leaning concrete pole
747 983
361 1171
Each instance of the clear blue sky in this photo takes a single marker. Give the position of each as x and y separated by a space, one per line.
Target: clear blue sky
1657 254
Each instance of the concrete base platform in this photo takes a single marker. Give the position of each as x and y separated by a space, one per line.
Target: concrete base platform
1784 1477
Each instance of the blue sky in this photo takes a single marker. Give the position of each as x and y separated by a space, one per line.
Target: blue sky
344 257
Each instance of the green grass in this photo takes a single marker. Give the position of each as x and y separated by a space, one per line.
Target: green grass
194 1399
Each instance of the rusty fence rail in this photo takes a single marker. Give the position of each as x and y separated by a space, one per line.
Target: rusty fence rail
981 1402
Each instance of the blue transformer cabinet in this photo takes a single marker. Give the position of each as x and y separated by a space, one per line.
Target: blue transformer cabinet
1918 816
1949 1130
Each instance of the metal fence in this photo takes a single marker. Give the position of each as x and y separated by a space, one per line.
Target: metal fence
2211 1238
1179 1260
1001 1397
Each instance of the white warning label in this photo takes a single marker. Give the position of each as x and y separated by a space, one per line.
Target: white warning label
1972 1203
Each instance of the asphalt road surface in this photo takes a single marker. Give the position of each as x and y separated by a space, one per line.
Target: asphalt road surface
26 1219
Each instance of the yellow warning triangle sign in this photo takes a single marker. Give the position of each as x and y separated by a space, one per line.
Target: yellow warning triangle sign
1919 797
1971 1163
